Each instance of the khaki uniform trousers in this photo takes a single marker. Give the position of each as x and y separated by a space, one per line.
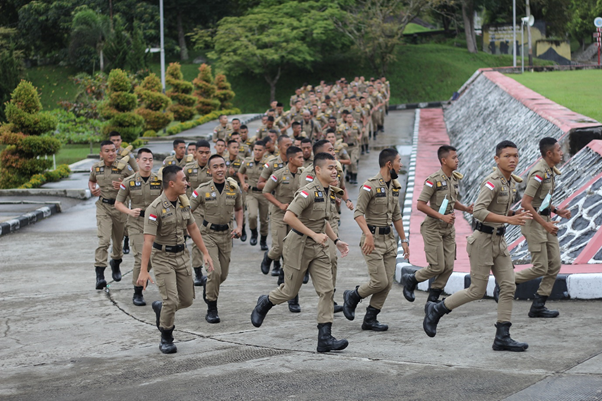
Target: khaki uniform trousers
110 224
487 253
378 118
219 245
354 155
197 256
381 268
302 254
333 249
545 257
258 205
174 279
279 231
440 250
135 227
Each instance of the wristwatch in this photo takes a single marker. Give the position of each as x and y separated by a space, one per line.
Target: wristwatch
336 240
407 241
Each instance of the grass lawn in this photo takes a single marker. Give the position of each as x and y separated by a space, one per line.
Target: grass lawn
413 28
73 153
580 91
53 83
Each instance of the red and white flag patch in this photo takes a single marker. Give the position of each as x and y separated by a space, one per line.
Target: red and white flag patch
304 194
273 177
122 186
309 178
152 217
195 194
489 185
267 165
538 178
367 188
428 184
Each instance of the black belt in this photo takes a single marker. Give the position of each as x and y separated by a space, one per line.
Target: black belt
350 144
490 230
256 189
109 201
381 230
216 227
169 248
142 213
297 232
545 212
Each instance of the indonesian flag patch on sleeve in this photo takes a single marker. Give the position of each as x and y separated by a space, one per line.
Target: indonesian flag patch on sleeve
429 184
538 178
367 188
309 178
273 177
152 217
267 165
195 194
489 185
122 186
304 194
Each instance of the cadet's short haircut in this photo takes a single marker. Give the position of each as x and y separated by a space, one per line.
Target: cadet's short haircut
191 144
361 97
387 155
305 140
327 97
235 119
271 111
546 144
105 143
259 143
114 133
244 127
271 118
234 133
298 101
279 104
215 156
266 140
443 151
332 118
274 131
345 112
221 115
231 141
282 138
317 148
296 124
220 140
503 145
293 150
143 150
177 142
169 174
330 131
352 97
321 158
202 144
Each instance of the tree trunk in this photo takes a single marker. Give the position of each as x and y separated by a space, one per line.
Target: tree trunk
102 63
272 82
181 37
468 18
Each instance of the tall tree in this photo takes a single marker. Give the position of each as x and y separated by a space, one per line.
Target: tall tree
468 9
11 67
92 29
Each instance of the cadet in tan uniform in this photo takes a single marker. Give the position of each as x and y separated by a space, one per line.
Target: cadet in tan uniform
179 159
309 126
378 208
223 129
197 173
541 232
191 149
306 247
306 147
280 191
257 204
220 199
243 149
437 229
352 135
108 174
166 220
262 132
141 189
488 251
233 163
221 149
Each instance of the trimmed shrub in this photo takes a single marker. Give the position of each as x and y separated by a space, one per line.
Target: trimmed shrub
183 102
119 107
224 91
153 104
205 90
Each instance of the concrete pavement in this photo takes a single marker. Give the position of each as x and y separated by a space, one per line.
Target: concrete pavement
64 340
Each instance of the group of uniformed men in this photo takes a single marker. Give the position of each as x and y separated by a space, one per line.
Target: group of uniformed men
297 184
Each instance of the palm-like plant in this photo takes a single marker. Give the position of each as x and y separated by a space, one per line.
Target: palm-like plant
90 29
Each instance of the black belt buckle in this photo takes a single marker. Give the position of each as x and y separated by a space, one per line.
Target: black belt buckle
546 212
256 189
169 248
142 213
109 201
501 231
381 230
216 227
484 228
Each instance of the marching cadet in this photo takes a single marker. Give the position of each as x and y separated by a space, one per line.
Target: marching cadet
378 115
166 220
262 132
256 203
378 208
541 232
244 136
243 149
352 136
108 174
142 189
306 147
221 149
223 129
191 149
179 158
233 163
197 173
306 247
340 147
275 163
220 200
441 192
297 132
332 125
309 126
488 252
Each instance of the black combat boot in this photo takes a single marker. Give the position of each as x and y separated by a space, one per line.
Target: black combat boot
353 179
293 305
263 243
243 235
326 342
351 298
126 245
538 308
199 279
409 286
362 152
337 308
433 297
370 322
167 346
253 240
138 298
266 263
280 277
261 309
100 278
306 277
276 269
503 342
157 306
368 149
434 311
212 316
115 269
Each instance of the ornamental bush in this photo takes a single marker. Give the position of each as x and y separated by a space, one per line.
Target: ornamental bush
224 91
205 91
153 104
183 101
119 107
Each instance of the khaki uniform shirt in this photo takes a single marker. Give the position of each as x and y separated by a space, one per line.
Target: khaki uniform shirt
221 132
141 193
312 205
540 182
252 169
235 164
283 185
216 207
340 151
308 162
105 175
195 175
378 202
436 188
244 150
496 196
295 115
273 164
351 134
310 129
166 221
172 161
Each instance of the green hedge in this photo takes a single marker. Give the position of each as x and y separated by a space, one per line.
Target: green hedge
214 115
38 180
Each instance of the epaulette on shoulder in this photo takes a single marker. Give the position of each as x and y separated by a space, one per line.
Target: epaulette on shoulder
514 176
458 175
184 200
396 183
232 182
160 174
556 171
123 162
126 151
339 167
337 191
189 158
